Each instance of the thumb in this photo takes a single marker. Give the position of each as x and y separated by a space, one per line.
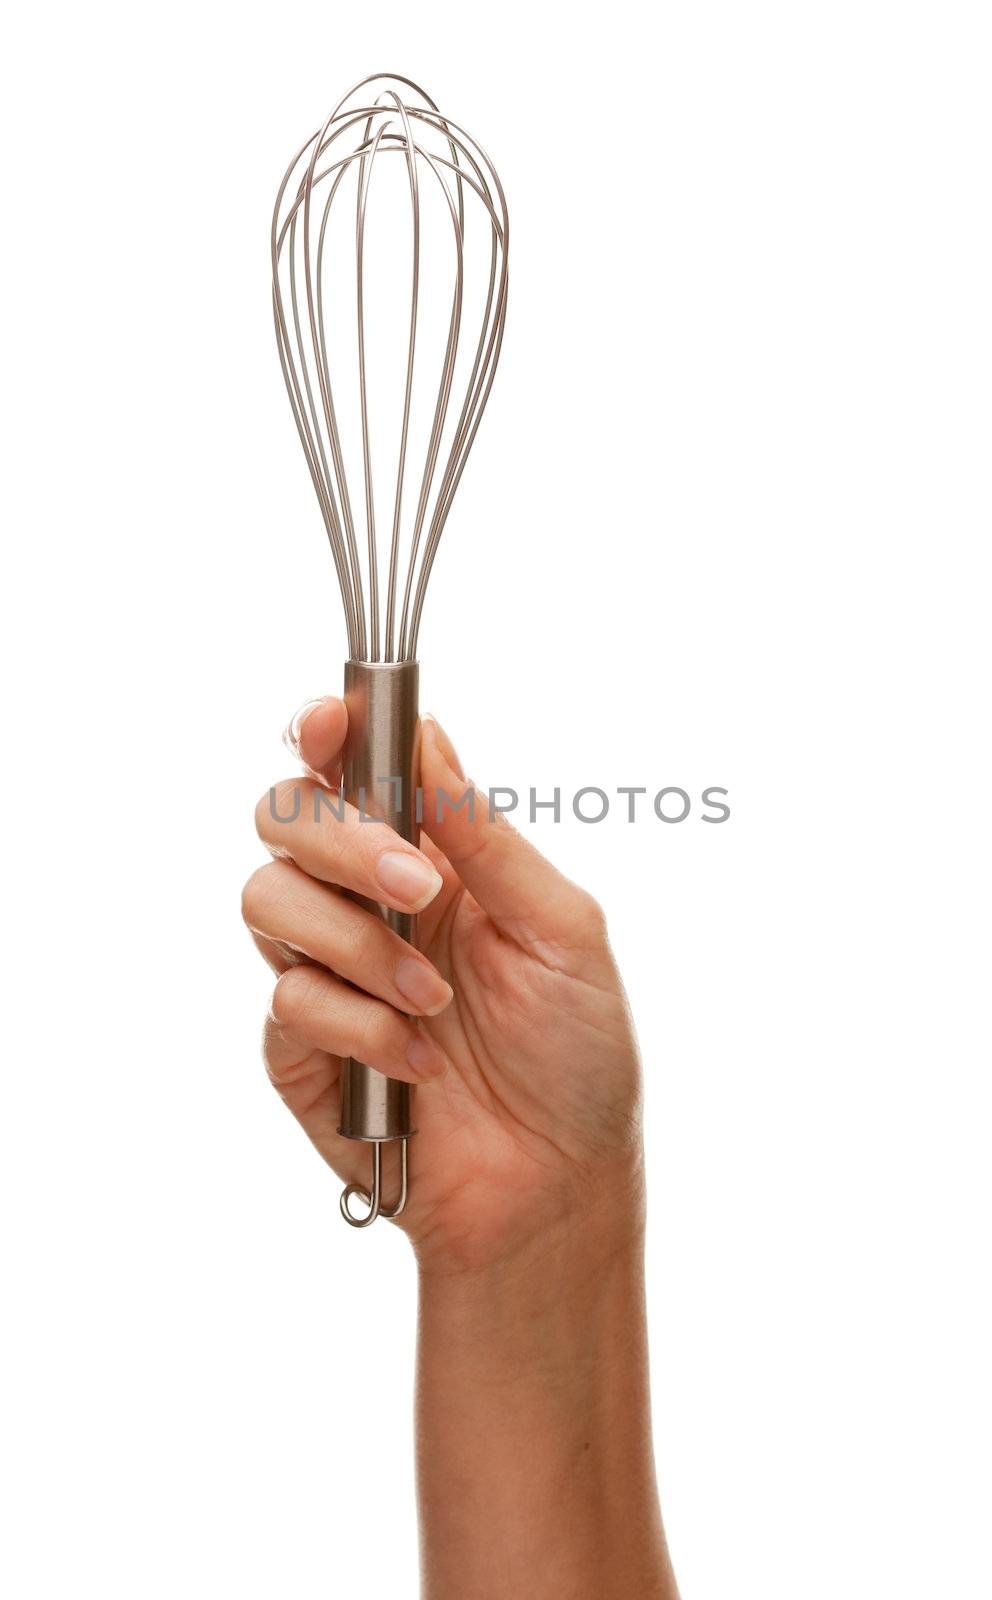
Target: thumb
518 887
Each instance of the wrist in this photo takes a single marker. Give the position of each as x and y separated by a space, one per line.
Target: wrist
589 1232
568 1301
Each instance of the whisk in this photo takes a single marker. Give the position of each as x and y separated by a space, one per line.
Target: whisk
387 125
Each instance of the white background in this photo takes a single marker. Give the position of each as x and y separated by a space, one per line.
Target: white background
726 523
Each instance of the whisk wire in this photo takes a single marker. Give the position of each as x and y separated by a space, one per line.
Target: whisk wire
441 406
392 124
365 164
394 543
325 389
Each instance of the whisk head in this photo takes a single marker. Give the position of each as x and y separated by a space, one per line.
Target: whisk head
347 289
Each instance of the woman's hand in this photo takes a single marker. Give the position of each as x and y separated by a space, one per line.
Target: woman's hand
512 1017
534 1465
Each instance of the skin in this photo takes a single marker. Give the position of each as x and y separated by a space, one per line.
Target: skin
535 1472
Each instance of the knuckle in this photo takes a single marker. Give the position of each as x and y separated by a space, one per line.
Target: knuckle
295 997
361 942
337 914
280 804
339 839
282 1073
477 836
386 1035
255 896
262 812
354 945
269 887
589 915
269 1057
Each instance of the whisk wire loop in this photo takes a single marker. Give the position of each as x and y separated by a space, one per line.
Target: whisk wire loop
371 1198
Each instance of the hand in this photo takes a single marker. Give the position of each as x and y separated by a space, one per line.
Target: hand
533 1437
512 1017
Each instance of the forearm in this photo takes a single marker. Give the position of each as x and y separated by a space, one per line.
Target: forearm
535 1466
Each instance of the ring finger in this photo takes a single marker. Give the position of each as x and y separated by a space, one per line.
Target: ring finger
311 1006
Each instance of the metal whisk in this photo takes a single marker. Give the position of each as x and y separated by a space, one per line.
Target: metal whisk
452 186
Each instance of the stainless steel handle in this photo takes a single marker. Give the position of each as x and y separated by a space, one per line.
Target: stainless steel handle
381 778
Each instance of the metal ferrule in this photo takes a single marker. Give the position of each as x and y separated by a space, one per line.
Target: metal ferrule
381 776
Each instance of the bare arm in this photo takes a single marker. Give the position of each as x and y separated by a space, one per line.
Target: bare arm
534 1454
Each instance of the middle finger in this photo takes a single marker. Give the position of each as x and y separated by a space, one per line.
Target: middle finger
284 905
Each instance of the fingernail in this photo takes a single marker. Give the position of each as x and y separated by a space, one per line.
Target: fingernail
291 735
422 986
408 878
425 1058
